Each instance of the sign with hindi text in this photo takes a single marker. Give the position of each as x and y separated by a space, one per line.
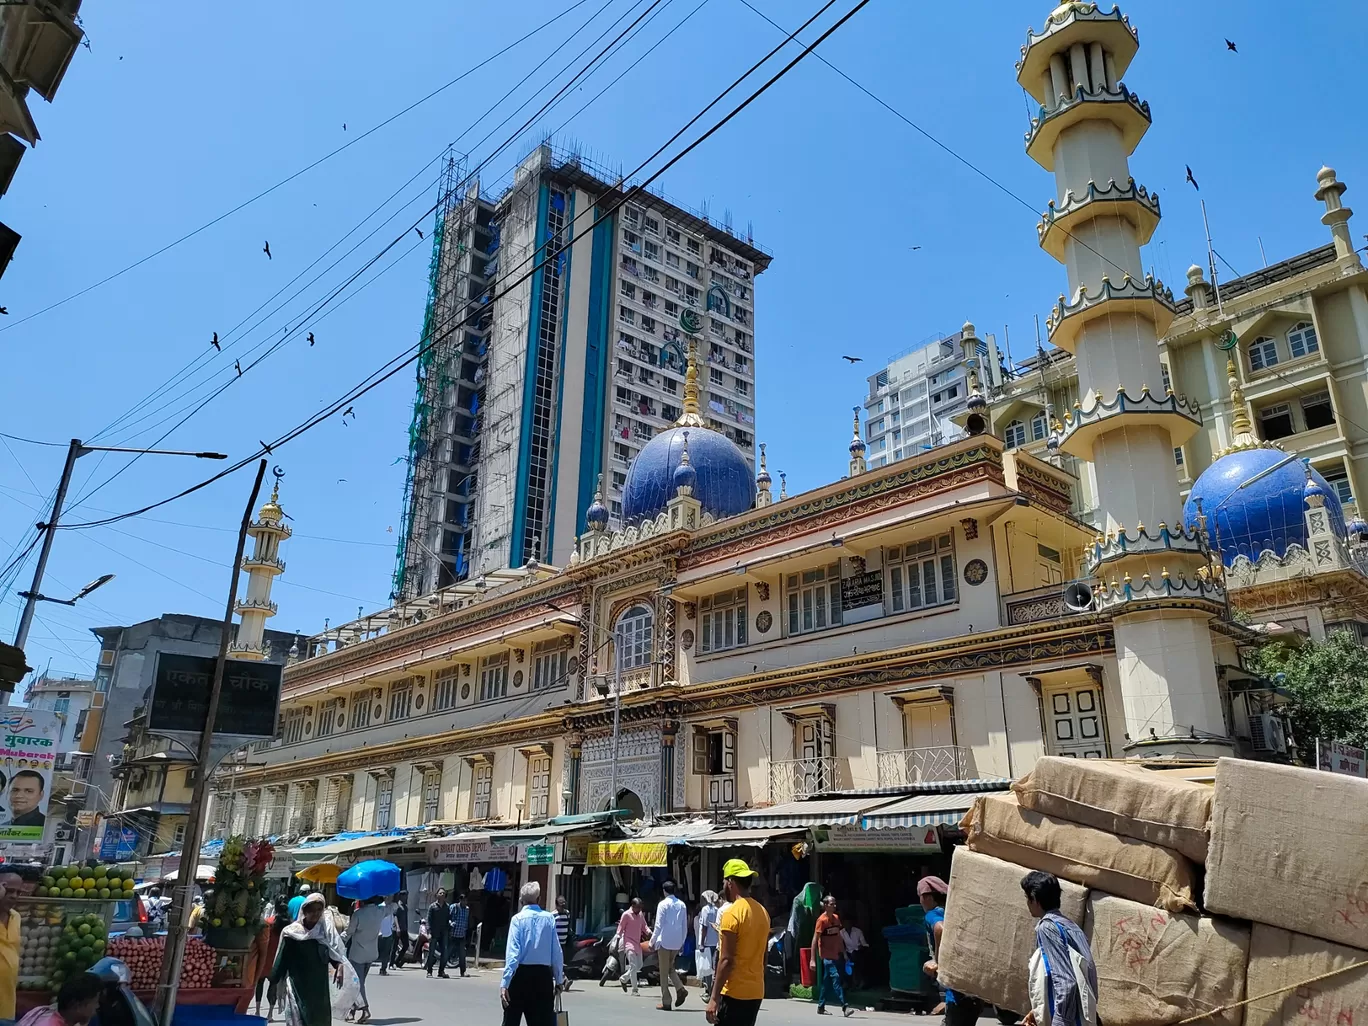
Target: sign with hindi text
28 749
180 696
641 854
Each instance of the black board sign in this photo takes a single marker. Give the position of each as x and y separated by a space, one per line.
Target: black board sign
180 696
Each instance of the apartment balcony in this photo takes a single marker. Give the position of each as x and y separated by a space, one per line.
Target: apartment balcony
792 780
922 765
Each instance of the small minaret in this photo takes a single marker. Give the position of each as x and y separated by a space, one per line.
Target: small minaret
596 516
262 566
763 482
1336 216
684 510
783 486
857 449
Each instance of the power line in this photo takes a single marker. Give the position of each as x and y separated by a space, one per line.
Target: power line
309 317
391 367
304 170
33 441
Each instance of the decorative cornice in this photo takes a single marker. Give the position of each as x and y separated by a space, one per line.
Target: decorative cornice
1118 105
1178 415
1057 221
1149 297
1167 592
1144 542
1068 14
872 493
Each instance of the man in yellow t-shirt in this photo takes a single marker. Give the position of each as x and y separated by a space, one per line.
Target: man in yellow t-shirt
10 886
743 933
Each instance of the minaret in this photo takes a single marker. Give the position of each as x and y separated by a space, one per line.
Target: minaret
763 482
1087 127
262 566
857 448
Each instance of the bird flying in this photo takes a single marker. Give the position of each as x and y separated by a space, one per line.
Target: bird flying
215 343
854 359
419 231
349 410
914 247
237 365
267 250
311 339
4 310
1231 47
1191 179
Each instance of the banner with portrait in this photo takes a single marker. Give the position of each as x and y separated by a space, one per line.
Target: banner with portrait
28 750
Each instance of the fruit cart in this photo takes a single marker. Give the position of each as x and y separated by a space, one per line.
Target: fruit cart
57 938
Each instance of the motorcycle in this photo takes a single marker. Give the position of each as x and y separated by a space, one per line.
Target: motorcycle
589 954
119 1006
615 963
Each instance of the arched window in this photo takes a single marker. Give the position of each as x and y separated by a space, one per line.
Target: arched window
1014 434
1301 339
1040 426
634 633
1263 352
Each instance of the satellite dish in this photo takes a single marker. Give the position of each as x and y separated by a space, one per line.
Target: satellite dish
1078 597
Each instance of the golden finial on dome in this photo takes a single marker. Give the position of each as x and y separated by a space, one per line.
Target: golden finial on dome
691 417
1242 431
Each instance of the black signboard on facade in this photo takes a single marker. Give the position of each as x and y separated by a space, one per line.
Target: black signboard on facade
180 696
864 589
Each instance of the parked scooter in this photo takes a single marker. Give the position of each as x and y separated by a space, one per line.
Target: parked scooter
119 1006
616 963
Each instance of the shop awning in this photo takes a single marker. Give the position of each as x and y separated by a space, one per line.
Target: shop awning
679 832
330 850
816 812
746 838
922 810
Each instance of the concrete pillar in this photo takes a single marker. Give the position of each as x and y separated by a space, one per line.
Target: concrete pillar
1059 77
1078 65
1097 68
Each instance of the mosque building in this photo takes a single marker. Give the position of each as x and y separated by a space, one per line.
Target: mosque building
720 657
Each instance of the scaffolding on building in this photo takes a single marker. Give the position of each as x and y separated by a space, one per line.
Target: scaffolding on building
441 481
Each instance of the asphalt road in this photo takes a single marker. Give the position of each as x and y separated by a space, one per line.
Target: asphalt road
409 997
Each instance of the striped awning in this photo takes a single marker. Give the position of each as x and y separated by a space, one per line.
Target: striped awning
922 810
817 812
929 787
746 838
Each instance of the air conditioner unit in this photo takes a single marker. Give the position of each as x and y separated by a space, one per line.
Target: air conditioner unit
1267 733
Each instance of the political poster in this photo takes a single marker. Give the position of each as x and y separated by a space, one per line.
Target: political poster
28 749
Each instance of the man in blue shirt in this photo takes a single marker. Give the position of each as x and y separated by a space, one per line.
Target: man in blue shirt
534 966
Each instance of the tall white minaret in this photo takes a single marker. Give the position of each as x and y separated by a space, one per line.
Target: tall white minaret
262 566
1151 574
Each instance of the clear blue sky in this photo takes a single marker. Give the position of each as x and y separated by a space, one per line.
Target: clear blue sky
168 121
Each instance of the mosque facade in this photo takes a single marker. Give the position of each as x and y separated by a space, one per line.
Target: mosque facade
945 618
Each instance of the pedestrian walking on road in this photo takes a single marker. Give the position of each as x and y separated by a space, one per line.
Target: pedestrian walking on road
439 930
309 948
363 948
401 934
667 940
534 968
386 945
828 954
705 957
297 902
280 918
960 1009
1063 975
460 930
632 930
743 932
563 931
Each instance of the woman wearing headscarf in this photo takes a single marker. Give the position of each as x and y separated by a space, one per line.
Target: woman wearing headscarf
309 948
960 1009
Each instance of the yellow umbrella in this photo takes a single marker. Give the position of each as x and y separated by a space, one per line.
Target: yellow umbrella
321 873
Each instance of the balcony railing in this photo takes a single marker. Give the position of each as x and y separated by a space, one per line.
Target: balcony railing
792 780
1044 603
921 765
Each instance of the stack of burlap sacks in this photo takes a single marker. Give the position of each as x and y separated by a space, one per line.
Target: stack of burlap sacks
1285 853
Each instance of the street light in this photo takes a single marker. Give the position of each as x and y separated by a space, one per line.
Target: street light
75 451
99 582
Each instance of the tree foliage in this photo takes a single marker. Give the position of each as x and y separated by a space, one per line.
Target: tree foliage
1327 682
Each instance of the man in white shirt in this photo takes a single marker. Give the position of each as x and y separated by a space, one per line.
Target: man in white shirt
857 951
386 945
671 930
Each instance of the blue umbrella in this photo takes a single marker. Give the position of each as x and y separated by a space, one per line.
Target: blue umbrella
371 879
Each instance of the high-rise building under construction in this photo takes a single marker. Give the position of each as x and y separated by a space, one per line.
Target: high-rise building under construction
535 387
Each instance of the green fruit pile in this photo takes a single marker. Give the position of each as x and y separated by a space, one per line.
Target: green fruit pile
98 883
79 945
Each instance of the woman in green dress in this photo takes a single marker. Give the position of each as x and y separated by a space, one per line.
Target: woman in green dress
309 949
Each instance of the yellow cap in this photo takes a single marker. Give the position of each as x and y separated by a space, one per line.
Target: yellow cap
737 868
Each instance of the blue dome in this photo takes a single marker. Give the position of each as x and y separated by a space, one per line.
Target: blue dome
723 482
1268 514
